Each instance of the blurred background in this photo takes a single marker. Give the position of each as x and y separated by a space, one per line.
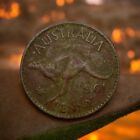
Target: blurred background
20 20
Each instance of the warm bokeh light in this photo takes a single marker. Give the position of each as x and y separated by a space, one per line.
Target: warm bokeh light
117 35
45 19
91 136
118 130
13 12
131 54
135 66
53 16
69 1
126 131
95 2
15 59
130 32
60 2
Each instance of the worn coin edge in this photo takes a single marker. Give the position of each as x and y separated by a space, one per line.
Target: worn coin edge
80 115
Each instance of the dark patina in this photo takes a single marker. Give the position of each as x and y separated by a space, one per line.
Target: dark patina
69 70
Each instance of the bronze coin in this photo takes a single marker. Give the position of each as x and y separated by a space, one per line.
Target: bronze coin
69 70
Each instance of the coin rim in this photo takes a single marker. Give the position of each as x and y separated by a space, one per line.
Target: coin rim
80 115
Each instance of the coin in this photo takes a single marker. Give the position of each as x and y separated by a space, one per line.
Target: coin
69 70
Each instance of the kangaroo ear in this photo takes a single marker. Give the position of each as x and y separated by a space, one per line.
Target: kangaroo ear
100 65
